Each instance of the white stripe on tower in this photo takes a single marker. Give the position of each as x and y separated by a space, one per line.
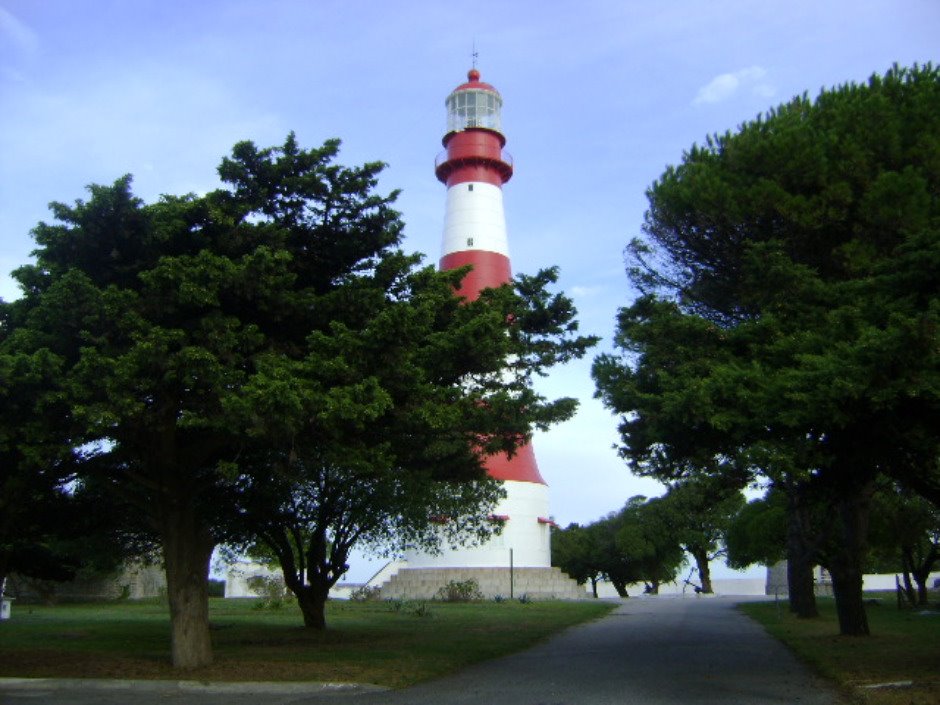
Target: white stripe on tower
474 219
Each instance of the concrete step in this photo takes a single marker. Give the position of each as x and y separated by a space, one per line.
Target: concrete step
535 583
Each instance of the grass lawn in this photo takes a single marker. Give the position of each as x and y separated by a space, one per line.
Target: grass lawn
370 642
904 648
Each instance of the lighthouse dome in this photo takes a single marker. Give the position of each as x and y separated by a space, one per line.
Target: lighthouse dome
474 104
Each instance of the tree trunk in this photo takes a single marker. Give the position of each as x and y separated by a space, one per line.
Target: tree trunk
850 607
594 586
704 571
312 603
920 578
922 592
908 587
801 594
187 550
921 572
801 587
846 565
620 587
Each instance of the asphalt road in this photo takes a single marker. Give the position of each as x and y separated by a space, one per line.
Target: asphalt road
649 651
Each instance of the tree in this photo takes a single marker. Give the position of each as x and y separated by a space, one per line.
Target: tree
209 343
906 538
789 303
633 545
576 550
784 524
758 532
376 423
699 512
648 544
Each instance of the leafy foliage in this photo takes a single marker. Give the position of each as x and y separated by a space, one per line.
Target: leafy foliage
788 323
699 512
758 533
634 545
578 552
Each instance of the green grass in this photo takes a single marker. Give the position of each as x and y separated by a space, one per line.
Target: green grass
904 646
365 643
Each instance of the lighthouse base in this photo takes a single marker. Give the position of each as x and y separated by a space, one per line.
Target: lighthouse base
508 583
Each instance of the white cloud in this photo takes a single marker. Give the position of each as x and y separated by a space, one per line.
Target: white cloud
724 86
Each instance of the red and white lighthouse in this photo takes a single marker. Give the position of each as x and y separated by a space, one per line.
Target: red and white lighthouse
474 168
517 561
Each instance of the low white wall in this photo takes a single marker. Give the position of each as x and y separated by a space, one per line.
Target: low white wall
885 581
238 575
726 586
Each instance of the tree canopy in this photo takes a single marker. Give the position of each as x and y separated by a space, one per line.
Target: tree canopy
788 319
637 544
699 512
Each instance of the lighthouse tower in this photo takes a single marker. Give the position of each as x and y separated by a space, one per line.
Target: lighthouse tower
474 168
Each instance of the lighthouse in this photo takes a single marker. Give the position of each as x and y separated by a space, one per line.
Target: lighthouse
474 167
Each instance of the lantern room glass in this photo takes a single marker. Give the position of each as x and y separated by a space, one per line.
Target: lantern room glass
473 108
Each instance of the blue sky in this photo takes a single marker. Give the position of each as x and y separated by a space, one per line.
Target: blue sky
599 96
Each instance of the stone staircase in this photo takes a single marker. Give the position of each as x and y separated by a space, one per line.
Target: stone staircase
534 583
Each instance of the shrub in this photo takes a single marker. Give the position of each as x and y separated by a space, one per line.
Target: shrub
365 593
460 591
418 608
272 590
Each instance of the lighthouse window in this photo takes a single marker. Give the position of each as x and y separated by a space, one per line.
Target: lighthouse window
473 108
469 187
469 242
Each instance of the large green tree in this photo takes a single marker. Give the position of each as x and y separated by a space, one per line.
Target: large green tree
699 512
790 524
789 306
272 335
637 544
381 418
647 544
578 551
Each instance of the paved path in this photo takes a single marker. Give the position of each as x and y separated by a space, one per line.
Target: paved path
649 651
